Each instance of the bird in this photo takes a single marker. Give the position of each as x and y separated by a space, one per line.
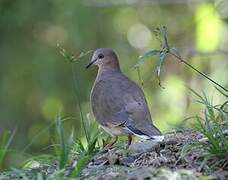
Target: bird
118 103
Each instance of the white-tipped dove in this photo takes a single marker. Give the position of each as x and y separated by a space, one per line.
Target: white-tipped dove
118 103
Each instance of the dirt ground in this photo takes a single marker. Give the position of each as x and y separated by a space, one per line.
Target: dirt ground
175 158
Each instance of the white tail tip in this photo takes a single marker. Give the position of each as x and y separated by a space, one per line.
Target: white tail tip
157 138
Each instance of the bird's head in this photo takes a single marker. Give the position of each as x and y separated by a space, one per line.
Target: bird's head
104 58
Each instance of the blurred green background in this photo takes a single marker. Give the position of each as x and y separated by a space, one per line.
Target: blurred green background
36 82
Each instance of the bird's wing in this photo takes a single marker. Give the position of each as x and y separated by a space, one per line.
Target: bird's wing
120 101
139 121
106 104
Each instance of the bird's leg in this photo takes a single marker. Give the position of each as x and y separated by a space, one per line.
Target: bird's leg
109 146
129 141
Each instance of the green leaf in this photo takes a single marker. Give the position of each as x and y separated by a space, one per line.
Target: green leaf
146 56
161 61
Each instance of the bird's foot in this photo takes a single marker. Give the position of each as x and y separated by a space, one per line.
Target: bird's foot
108 146
129 141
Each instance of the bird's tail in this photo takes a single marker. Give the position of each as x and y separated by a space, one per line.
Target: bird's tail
156 134
157 138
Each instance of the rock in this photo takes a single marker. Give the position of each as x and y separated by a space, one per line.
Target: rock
113 158
145 146
171 141
141 173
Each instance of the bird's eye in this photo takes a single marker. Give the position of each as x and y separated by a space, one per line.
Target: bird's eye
100 56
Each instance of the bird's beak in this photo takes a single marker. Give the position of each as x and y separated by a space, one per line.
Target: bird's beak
90 63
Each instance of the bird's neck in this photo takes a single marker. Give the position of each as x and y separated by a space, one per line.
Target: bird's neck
106 70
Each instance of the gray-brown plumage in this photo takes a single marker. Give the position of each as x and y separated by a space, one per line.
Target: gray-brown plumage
118 103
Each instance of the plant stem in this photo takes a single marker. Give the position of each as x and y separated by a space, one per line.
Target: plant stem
139 76
204 75
79 104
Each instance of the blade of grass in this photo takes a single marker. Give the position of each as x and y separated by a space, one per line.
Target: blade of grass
159 67
4 146
42 131
59 127
85 158
65 146
210 127
81 164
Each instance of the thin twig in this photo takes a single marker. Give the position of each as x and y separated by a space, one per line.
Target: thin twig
201 73
202 165
140 77
79 103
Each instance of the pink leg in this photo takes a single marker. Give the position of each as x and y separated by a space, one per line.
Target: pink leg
129 141
109 146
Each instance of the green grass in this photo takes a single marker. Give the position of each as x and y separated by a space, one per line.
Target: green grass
211 125
64 147
5 141
67 150
70 148
84 151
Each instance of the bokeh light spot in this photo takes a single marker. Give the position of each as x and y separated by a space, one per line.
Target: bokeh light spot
208 28
51 107
139 36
